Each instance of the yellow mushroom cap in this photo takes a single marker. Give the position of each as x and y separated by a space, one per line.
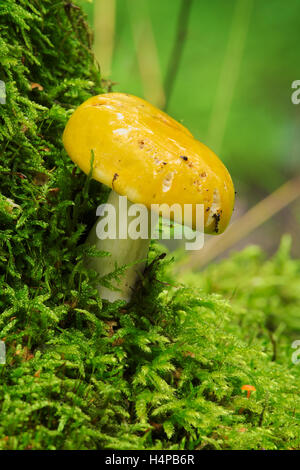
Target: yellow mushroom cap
144 154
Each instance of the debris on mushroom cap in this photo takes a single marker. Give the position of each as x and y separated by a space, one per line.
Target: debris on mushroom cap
152 154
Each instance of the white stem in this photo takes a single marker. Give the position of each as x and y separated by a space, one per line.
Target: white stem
122 251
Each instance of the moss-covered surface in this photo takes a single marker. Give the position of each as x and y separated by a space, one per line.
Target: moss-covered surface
164 372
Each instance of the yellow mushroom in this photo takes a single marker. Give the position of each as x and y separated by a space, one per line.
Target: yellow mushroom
144 154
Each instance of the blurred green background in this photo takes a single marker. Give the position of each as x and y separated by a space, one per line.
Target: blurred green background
232 87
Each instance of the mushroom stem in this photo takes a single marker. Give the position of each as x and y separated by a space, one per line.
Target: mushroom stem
123 251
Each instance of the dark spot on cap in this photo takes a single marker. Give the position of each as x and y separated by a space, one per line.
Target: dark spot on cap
217 217
184 157
203 174
114 179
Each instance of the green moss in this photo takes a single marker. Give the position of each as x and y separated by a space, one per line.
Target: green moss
164 372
